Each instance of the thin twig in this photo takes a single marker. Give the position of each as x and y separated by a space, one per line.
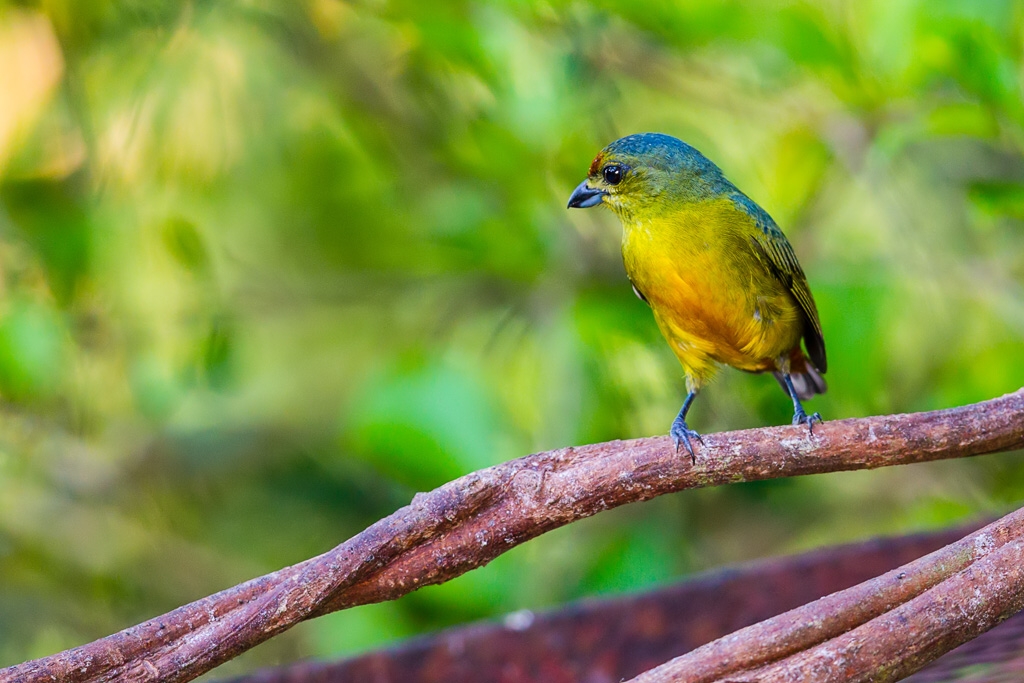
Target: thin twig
470 521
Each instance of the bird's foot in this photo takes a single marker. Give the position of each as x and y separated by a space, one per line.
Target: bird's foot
802 418
681 435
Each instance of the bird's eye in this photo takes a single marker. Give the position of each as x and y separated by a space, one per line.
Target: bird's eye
613 174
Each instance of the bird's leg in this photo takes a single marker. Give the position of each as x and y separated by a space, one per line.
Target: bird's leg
682 434
799 416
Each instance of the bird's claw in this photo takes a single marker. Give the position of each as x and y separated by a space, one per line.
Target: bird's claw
802 418
681 435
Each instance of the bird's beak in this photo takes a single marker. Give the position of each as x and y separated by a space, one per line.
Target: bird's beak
584 196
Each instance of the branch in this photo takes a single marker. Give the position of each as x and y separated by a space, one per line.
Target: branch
616 638
902 641
470 521
879 630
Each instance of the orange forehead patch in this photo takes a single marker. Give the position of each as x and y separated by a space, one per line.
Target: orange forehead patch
595 164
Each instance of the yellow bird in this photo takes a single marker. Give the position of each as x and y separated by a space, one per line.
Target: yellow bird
721 278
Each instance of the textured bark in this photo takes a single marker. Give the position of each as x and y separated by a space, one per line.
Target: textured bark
470 521
611 639
901 641
880 630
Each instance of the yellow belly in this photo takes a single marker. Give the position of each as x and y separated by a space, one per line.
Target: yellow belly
714 302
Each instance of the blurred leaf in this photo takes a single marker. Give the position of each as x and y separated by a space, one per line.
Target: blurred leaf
630 561
809 39
999 198
424 425
185 245
54 218
32 351
156 391
357 630
962 119
219 355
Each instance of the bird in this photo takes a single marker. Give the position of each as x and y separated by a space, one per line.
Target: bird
722 280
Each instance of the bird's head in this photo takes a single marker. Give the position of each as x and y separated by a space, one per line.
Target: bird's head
646 173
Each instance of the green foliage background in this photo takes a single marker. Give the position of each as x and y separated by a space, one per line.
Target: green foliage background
269 268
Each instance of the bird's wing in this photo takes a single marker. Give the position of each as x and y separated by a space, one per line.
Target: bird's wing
776 253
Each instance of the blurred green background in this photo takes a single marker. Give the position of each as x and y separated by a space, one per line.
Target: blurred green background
270 268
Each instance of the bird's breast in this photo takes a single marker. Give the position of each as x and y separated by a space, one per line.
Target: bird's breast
711 296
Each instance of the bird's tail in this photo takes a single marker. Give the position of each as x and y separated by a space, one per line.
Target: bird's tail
808 382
